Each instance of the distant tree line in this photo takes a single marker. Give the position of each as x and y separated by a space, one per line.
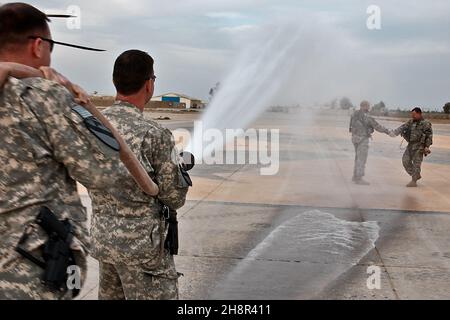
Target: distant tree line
379 109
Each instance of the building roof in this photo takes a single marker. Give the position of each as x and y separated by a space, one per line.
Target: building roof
178 95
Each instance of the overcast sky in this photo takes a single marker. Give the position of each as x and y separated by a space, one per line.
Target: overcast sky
196 42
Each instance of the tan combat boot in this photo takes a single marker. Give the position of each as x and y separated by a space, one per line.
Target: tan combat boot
412 184
362 182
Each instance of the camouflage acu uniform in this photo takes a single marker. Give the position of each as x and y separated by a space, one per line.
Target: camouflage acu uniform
44 148
362 126
128 232
419 135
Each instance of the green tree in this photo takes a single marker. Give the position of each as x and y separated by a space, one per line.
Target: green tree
345 103
447 108
379 109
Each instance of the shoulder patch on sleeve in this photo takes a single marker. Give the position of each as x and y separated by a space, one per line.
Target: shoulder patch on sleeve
97 128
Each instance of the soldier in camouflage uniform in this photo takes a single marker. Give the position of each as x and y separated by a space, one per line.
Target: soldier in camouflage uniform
128 231
362 126
418 132
44 147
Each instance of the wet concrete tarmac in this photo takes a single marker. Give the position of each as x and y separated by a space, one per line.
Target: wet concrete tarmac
308 232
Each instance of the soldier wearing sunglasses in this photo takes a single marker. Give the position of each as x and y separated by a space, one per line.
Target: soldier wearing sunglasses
45 147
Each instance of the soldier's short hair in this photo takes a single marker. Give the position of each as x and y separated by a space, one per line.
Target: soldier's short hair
364 103
18 21
417 110
131 70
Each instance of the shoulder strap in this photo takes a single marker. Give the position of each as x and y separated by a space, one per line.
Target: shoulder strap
97 128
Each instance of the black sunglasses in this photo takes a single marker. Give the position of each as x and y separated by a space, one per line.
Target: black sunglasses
52 44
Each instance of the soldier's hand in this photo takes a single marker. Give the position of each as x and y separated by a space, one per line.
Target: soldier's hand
81 96
4 75
53 75
427 152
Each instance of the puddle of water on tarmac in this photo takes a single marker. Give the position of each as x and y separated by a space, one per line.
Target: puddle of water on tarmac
324 245
318 233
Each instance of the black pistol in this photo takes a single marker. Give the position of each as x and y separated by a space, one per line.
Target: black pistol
57 254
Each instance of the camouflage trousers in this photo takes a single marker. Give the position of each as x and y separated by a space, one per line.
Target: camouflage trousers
128 282
412 160
361 154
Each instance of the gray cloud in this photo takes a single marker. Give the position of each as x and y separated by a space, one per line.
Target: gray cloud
195 42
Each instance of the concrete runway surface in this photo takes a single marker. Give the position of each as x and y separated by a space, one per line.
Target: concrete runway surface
308 232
